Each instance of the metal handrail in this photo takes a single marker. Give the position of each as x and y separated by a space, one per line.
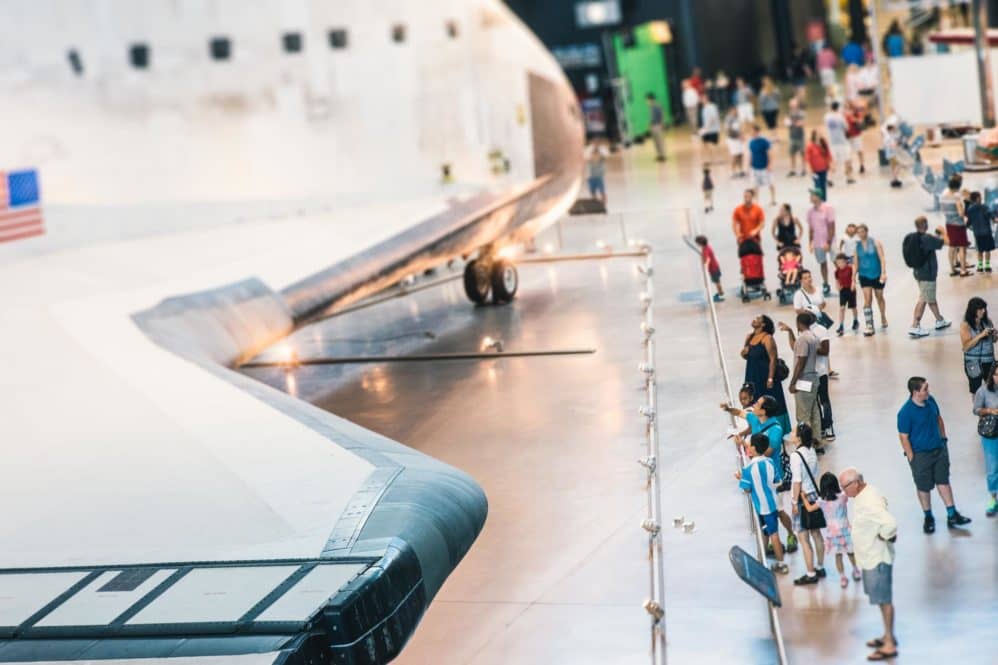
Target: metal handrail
655 605
774 619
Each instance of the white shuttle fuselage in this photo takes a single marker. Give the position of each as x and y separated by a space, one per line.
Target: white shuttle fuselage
197 209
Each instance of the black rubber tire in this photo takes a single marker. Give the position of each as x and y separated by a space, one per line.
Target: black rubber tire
477 284
505 281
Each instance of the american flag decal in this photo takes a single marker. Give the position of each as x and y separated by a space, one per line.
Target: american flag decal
20 205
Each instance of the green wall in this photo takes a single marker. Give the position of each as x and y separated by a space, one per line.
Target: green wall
643 67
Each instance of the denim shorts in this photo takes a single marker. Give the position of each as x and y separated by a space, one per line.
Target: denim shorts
878 584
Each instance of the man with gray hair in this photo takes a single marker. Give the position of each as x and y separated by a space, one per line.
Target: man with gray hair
874 532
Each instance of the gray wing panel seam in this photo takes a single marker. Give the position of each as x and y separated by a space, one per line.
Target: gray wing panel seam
358 510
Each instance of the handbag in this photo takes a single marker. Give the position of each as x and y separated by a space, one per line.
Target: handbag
987 426
782 371
821 318
972 368
810 520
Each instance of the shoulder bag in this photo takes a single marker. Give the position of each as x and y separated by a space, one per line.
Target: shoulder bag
821 317
810 520
784 461
987 426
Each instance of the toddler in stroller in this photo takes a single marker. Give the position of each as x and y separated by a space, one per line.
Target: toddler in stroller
789 260
753 274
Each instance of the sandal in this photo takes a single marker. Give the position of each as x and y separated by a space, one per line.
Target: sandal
876 643
965 274
882 655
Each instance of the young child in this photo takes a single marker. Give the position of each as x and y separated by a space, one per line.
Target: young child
847 245
979 221
708 190
758 478
837 532
596 155
712 266
790 262
845 276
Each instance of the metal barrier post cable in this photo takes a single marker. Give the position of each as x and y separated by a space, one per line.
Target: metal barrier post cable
774 619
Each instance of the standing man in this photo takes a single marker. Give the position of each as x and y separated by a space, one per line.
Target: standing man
919 250
836 127
821 235
691 104
874 532
795 125
804 377
710 128
821 366
923 438
748 220
762 175
657 126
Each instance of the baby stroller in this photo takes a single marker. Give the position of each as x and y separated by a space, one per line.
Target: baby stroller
753 274
789 277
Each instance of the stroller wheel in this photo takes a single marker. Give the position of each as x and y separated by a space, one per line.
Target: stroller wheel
767 296
745 298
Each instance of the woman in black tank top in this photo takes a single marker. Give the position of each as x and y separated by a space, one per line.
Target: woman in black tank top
787 229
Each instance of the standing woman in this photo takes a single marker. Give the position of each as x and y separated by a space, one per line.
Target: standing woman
818 158
736 145
804 470
769 103
787 229
760 357
951 205
872 272
977 335
986 404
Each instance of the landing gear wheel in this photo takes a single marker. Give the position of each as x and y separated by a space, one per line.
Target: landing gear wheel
476 282
505 281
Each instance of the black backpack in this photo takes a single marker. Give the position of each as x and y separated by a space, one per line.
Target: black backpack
914 254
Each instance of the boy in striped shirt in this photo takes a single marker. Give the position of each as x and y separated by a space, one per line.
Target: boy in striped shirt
759 479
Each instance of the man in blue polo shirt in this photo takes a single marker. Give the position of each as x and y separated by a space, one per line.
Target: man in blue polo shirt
761 171
923 438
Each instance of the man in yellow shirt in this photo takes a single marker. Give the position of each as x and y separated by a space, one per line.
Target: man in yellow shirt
874 531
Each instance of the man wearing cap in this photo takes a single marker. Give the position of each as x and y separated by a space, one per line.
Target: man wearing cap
821 233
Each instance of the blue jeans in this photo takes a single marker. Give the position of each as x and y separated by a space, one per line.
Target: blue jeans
991 463
821 183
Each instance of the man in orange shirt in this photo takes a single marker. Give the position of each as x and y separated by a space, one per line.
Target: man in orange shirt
748 219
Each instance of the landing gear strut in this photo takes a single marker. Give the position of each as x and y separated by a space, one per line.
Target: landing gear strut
484 277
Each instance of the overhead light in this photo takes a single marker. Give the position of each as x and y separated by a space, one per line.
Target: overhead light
288 356
508 252
489 344
660 32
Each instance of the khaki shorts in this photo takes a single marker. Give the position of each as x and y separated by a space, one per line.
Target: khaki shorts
927 292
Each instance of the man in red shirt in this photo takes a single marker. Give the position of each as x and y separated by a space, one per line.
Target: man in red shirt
748 219
710 260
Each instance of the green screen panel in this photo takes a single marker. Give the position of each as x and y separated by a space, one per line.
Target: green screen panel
642 66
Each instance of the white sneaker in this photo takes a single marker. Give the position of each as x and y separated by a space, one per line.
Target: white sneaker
918 331
943 323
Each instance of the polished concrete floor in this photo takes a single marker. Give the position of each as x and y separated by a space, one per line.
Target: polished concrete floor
560 571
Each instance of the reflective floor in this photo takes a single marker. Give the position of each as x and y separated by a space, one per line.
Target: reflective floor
560 571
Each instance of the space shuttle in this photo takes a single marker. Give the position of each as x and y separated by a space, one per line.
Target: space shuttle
212 175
